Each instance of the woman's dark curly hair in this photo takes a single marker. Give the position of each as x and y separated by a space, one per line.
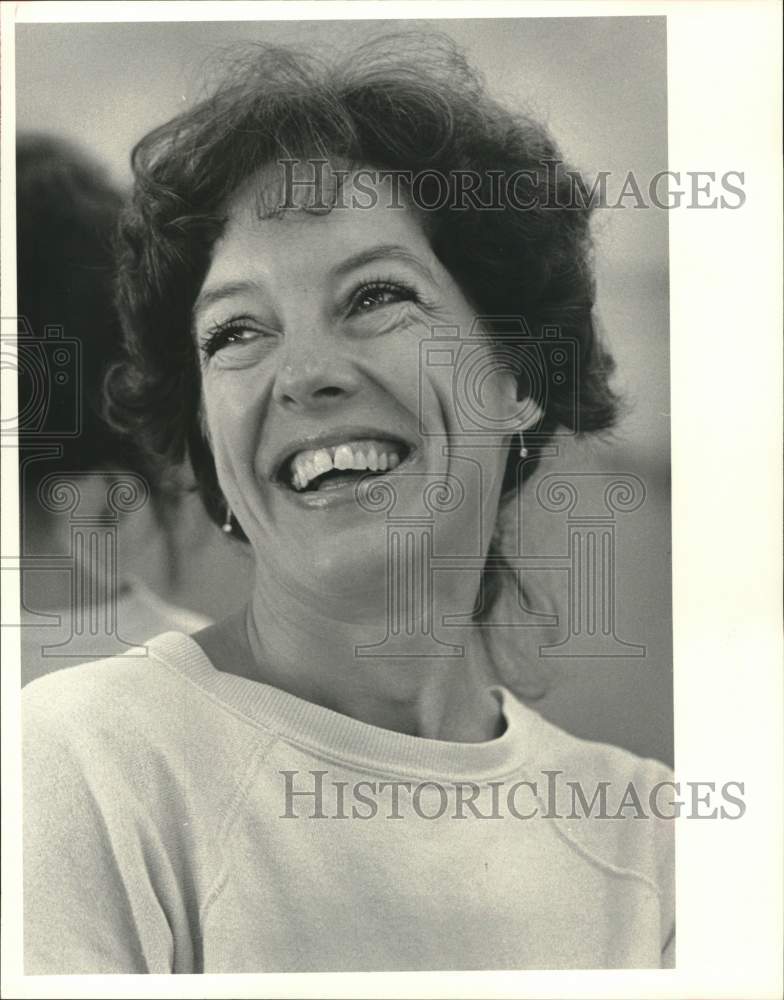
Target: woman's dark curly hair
403 103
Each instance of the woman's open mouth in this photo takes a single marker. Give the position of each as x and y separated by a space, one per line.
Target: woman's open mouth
323 469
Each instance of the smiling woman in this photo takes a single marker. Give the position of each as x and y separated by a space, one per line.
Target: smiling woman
298 308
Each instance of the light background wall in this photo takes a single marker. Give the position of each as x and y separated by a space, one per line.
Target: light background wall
600 85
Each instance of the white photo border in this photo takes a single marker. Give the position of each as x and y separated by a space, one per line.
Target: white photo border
724 76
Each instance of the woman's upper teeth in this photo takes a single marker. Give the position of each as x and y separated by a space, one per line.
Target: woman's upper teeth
373 455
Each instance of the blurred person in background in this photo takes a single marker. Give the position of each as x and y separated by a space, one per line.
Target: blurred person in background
67 212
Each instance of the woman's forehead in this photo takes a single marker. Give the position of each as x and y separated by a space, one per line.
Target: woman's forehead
317 185
359 219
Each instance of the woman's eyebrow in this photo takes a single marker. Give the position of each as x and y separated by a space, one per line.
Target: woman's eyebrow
383 252
225 290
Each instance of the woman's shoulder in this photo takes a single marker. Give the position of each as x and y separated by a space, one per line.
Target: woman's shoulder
103 687
134 727
132 706
591 759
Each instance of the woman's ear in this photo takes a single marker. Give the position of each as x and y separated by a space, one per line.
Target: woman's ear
530 413
525 411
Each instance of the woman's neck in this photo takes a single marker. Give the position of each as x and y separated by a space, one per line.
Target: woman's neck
279 641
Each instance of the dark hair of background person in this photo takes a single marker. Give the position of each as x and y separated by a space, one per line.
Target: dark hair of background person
403 102
66 218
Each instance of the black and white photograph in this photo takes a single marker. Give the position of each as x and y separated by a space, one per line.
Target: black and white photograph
355 377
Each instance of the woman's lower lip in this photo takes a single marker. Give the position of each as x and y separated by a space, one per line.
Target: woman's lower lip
328 497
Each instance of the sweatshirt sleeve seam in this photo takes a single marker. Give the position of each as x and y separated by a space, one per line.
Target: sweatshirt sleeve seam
257 758
608 867
590 856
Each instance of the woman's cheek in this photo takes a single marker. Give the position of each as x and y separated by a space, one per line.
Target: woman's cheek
230 404
402 367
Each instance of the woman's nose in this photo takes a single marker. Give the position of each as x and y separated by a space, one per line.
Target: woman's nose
314 384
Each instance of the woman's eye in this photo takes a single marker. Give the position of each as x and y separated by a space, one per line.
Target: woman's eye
231 334
381 294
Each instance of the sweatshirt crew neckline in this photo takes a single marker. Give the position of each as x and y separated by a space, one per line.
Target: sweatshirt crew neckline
333 735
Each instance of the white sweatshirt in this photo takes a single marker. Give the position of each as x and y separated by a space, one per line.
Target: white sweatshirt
181 819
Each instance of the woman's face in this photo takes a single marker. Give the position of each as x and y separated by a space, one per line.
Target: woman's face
318 380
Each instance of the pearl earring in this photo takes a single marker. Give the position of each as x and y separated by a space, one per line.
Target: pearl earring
523 449
227 525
